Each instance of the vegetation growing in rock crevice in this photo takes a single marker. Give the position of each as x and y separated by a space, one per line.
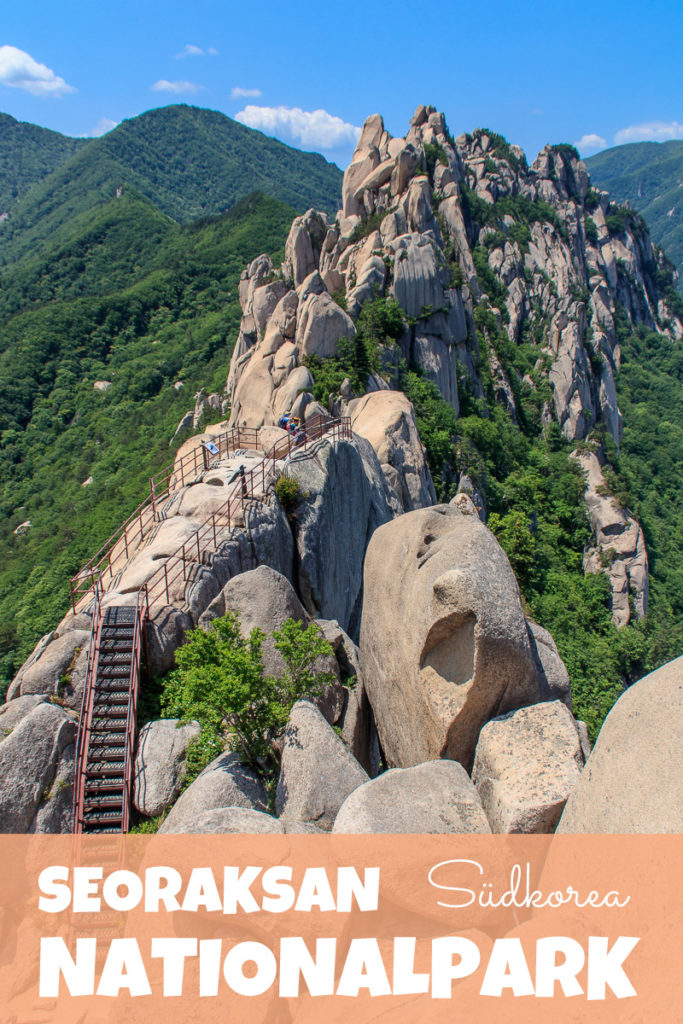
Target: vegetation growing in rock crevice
220 682
379 324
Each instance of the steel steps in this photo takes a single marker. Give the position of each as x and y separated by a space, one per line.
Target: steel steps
102 802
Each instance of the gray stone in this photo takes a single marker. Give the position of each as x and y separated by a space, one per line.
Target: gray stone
16 710
236 821
458 653
358 729
346 651
344 499
633 779
404 168
50 672
299 252
584 740
55 813
417 280
160 764
619 542
437 797
321 325
226 782
553 678
263 599
387 420
166 629
437 359
29 758
526 765
317 771
293 827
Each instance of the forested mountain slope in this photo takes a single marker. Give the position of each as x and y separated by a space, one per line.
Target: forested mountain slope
188 162
27 155
649 175
134 299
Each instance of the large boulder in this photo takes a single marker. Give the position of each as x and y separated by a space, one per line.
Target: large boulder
437 797
526 765
15 710
320 327
317 771
344 497
160 764
553 677
52 670
387 420
633 779
29 762
226 782
444 644
236 821
264 599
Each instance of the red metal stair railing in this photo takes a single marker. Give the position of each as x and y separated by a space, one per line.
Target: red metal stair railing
102 567
107 731
104 769
181 565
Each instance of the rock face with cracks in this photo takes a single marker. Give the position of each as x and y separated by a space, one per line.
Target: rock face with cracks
344 497
387 420
444 643
30 778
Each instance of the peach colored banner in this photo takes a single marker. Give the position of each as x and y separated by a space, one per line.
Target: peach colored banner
303 929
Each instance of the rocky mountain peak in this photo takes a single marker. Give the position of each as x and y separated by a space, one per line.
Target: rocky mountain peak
512 283
479 250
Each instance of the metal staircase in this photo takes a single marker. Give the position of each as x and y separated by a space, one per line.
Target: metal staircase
106 741
107 731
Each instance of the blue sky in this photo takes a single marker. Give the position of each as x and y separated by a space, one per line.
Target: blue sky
596 74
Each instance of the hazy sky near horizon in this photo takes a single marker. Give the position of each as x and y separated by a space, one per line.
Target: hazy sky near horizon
593 74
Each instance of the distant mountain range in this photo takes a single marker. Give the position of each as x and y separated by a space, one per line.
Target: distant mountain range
27 155
187 161
650 176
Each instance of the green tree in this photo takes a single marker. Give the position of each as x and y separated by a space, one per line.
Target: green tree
220 682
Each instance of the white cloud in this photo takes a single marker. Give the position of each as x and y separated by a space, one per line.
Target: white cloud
175 87
312 129
651 131
190 50
244 94
20 71
590 141
104 125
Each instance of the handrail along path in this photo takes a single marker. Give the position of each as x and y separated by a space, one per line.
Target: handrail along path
107 729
